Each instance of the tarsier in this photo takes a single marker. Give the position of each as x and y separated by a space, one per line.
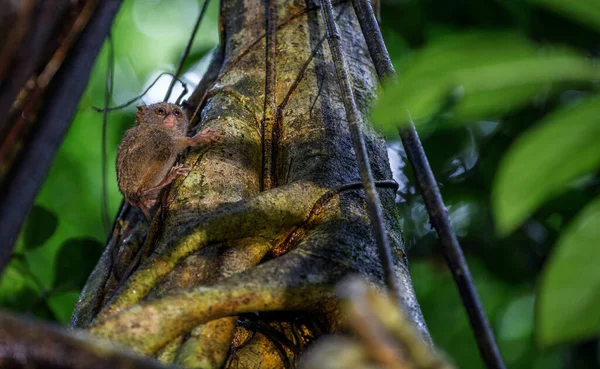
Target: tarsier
148 151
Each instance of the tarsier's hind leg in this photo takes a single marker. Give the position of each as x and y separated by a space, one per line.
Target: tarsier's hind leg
143 205
146 198
176 171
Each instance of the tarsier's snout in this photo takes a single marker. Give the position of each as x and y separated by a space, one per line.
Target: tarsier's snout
170 120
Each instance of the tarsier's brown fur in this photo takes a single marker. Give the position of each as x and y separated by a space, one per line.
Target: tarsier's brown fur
148 151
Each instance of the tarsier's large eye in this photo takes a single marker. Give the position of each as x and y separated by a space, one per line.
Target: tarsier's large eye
177 112
160 111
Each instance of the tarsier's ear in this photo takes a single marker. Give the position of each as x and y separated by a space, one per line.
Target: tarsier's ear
140 114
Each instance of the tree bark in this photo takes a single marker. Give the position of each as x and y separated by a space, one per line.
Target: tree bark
229 272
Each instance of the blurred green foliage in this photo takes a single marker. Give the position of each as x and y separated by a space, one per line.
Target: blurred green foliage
480 74
504 94
64 236
561 148
568 296
519 72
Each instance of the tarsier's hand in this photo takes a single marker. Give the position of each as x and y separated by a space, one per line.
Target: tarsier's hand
180 170
208 135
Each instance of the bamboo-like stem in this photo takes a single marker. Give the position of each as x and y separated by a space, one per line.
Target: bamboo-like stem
434 202
360 149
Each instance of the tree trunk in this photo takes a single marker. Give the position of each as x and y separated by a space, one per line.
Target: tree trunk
239 263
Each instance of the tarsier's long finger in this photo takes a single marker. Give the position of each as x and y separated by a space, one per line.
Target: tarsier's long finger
146 211
212 134
182 171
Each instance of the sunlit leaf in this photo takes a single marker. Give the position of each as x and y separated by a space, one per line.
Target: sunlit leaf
61 304
568 298
545 160
492 102
517 319
74 262
40 226
477 74
18 290
584 11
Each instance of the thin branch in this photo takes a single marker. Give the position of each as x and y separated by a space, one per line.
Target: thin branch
110 80
360 149
124 105
433 199
270 108
28 343
186 52
31 54
207 79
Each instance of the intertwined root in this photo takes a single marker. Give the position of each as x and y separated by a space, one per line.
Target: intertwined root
301 279
148 325
269 215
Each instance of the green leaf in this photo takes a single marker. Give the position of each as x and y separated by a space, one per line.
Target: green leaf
544 161
479 74
584 11
18 291
61 304
568 298
75 261
517 320
39 227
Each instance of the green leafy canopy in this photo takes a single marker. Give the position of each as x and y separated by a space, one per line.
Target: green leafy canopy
479 74
485 74
545 161
568 298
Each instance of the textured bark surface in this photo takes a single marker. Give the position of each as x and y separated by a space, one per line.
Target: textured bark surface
231 274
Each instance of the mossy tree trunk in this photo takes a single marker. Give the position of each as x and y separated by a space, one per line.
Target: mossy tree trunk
239 263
